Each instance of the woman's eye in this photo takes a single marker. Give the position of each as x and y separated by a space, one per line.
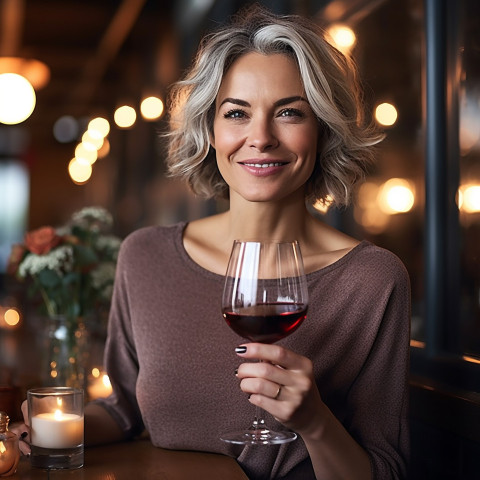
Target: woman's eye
290 112
234 114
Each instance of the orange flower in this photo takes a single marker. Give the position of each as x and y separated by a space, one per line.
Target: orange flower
16 256
42 240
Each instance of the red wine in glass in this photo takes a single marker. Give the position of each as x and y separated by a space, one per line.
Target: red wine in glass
265 299
266 322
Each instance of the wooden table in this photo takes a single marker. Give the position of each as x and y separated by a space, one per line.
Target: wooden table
139 460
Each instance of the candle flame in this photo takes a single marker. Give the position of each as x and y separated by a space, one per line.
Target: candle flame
59 401
2 448
58 414
106 381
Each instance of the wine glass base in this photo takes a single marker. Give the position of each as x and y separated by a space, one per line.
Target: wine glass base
258 437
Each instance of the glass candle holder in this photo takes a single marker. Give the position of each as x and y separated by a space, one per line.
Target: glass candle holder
9 451
57 427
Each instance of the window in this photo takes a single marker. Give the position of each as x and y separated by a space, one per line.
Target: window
423 57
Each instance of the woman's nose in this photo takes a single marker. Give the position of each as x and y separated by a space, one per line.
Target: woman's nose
262 135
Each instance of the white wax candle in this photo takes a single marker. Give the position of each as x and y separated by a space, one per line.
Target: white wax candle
57 430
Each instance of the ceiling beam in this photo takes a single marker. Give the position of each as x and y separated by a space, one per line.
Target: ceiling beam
109 46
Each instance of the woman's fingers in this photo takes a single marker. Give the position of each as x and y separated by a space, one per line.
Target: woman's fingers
22 431
274 354
24 408
281 383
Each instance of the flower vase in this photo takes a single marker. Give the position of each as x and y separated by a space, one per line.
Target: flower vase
66 352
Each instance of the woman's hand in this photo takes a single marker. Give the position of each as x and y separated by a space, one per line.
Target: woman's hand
22 430
283 385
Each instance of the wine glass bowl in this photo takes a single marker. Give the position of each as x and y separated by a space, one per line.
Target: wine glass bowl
266 323
265 299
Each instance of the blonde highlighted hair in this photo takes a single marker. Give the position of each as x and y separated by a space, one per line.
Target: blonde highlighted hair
331 87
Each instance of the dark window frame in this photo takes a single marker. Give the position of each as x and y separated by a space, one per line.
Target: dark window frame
442 359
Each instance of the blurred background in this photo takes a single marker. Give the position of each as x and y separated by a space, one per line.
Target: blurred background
419 62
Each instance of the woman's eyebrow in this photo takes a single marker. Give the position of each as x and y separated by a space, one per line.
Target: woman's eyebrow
235 101
287 100
278 103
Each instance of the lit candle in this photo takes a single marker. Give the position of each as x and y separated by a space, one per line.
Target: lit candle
57 430
99 385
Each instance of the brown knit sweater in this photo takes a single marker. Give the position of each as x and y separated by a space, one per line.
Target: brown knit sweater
171 360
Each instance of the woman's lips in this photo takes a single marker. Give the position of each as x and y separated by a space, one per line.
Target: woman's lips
264 168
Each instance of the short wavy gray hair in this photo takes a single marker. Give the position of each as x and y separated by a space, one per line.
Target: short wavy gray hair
331 87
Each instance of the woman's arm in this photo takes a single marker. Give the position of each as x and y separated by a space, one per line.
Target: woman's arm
100 427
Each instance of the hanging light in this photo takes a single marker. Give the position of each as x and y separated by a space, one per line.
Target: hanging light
17 98
36 72
19 76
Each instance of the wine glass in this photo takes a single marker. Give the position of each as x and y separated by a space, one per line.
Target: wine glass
265 299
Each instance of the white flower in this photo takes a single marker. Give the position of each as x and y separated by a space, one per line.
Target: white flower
59 259
103 275
89 214
108 243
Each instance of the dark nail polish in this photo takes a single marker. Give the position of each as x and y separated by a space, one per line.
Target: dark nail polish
23 435
236 371
240 349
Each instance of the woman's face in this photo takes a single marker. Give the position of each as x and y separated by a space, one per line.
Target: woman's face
265 134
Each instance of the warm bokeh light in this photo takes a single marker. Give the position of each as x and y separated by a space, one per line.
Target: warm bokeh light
99 385
17 98
105 149
106 381
80 170
470 359
100 125
469 198
94 138
367 195
386 114
151 108
372 220
342 37
323 206
35 71
125 116
396 196
11 317
87 152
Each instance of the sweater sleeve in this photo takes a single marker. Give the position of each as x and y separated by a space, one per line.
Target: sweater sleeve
120 358
380 391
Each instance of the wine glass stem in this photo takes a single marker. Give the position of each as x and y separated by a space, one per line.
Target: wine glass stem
258 423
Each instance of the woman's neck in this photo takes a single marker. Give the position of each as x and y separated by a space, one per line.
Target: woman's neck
268 220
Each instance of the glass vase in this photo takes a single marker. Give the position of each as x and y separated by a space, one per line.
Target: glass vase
66 352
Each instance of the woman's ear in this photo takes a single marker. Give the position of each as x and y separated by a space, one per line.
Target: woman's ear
211 139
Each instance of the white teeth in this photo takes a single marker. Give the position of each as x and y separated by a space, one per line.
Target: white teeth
263 165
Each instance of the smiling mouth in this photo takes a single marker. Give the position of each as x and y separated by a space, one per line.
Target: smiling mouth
264 165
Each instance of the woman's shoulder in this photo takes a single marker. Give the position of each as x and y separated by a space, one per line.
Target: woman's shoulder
156 236
371 261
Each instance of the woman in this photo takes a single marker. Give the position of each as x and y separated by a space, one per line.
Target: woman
269 116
